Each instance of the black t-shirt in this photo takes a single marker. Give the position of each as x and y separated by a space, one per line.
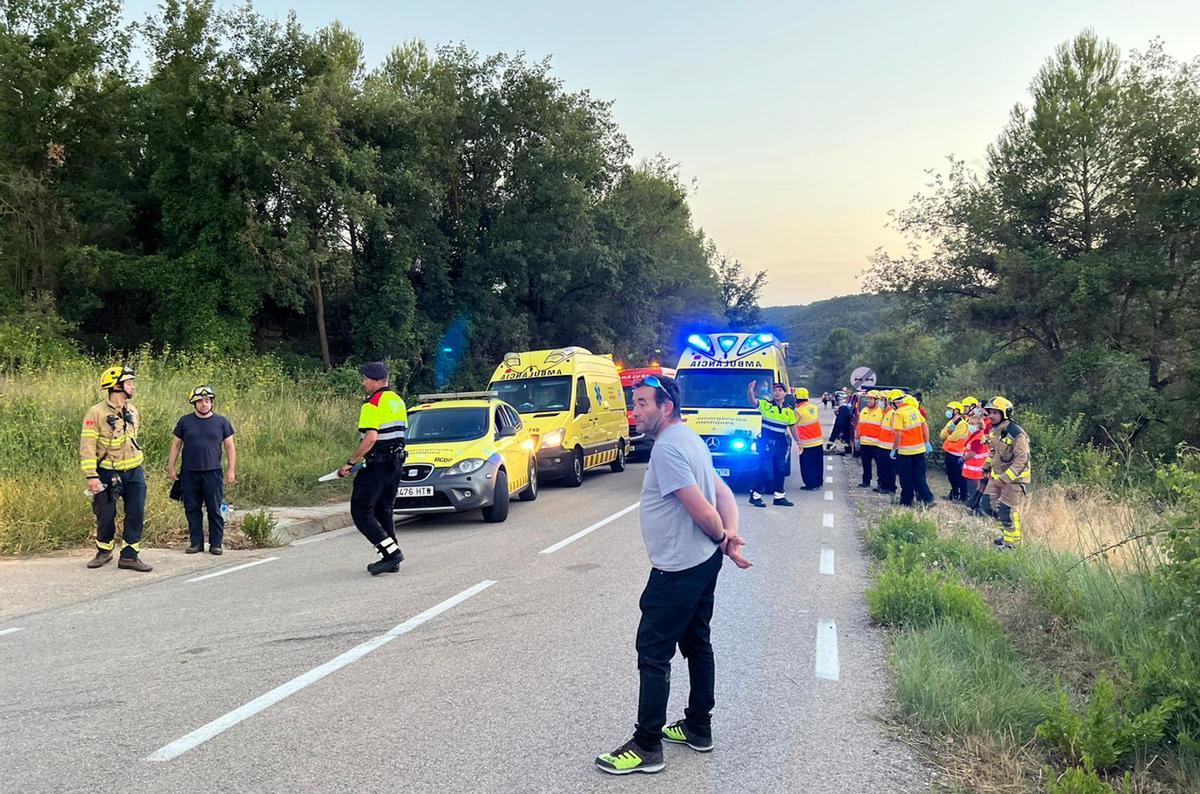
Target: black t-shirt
202 440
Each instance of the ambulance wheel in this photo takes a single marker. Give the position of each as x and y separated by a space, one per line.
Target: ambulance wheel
531 490
618 465
497 511
574 477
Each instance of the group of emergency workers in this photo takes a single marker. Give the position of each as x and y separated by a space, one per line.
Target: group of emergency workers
786 418
986 454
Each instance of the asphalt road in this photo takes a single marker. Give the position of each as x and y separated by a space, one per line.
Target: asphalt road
484 665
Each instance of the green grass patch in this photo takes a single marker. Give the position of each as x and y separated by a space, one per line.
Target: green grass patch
914 597
897 530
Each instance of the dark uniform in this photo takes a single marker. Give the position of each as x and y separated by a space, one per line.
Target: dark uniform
773 446
375 485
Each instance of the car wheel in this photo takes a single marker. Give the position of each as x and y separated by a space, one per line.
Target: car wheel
618 465
497 511
531 491
574 477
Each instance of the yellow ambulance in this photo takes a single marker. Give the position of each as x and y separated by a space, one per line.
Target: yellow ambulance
571 401
714 373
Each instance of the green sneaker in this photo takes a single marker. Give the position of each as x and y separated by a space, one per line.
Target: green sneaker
630 758
678 733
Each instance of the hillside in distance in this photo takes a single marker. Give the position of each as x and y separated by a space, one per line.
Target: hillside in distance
805 327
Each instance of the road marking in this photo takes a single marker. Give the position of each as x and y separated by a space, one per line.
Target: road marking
829 496
224 723
827 655
827 520
337 533
592 528
828 467
827 561
224 571
10 631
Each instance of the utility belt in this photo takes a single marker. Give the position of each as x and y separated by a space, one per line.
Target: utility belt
396 455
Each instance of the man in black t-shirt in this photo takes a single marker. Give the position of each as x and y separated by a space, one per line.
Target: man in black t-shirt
202 436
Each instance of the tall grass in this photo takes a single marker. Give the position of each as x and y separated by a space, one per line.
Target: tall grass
289 429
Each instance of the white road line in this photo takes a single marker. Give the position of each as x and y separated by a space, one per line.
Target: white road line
827 520
224 723
337 533
10 631
828 467
829 496
827 561
592 528
224 571
827 654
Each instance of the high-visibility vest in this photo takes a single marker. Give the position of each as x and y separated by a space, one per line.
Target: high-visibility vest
975 455
386 414
808 425
868 426
908 421
887 427
954 439
775 419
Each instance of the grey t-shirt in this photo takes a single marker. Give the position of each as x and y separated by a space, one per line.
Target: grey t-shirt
678 459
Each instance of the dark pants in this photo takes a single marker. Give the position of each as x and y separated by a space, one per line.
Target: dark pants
772 464
812 469
676 609
954 475
911 469
202 491
970 492
372 498
132 485
886 469
841 430
867 453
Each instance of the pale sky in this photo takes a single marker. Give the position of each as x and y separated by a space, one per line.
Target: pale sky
802 123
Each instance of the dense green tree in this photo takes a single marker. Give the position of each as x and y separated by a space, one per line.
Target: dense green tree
835 359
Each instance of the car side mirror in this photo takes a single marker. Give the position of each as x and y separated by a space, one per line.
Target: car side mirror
506 432
582 405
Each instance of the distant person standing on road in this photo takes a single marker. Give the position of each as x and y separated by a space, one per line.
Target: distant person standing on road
867 432
808 432
773 444
689 519
203 435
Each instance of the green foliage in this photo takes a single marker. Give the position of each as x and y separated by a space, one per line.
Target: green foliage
896 529
965 679
806 327
1102 733
915 598
259 527
835 360
1083 780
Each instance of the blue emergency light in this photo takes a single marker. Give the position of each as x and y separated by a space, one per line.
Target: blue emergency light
700 343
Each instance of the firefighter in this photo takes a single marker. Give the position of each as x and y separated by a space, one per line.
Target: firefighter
808 434
1010 469
382 424
867 436
111 459
910 443
773 444
954 440
885 465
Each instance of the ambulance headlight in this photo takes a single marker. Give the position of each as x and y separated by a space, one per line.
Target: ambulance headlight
466 466
553 439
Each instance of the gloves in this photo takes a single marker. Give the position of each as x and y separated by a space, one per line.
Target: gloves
928 447
893 455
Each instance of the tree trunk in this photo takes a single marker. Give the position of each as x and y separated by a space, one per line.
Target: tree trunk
319 305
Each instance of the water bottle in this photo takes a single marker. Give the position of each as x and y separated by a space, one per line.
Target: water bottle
225 508
103 488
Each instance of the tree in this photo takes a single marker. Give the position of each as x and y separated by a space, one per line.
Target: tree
835 358
739 290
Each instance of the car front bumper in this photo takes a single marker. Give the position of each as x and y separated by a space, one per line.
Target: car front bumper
451 493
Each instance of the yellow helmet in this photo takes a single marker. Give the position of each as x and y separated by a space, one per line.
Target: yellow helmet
801 393
956 405
895 394
201 393
968 401
1001 404
874 393
114 376
910 401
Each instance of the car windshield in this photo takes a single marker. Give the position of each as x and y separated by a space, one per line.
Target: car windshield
531 395
721 388
439 425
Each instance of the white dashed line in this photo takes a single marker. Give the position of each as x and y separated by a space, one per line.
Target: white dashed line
827 561
827 653
592 528
262 702
827 520
224 571
10 631
829 496
828 467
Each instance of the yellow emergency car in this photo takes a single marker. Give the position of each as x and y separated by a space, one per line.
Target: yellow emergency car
466 451
714 375
571 401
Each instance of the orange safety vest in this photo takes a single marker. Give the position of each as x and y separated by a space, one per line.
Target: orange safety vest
908 421
808 425
975 456
955 440
868 426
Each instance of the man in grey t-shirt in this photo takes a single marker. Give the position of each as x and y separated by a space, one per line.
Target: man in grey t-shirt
689 520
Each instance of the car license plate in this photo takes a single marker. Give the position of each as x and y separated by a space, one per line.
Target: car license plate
405 493
723 472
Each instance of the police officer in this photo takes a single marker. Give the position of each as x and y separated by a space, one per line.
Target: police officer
1010 469
382 424
773 444
111 459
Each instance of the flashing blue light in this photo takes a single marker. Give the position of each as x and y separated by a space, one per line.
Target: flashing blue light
727 342
700 343
766 338
737 445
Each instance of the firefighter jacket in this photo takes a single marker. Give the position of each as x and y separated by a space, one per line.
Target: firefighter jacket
108 439
1010 453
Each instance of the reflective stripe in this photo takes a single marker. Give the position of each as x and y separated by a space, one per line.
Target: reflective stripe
87 464
89 434
123 465
908 421
105 546
135 546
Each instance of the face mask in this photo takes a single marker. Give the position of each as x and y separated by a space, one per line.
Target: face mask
949 414
974 428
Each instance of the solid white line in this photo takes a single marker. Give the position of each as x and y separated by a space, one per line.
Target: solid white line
827 561
221 724
337 533
592 528
829 496
827 654
10 631
827 520
224 571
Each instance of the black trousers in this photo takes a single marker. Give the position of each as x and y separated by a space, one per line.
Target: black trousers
677 609
954 475
885 469
132 487
812 468
970 492
202 492
911 469
867 453
772 464
372 498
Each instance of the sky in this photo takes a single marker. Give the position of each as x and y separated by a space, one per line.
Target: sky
801 123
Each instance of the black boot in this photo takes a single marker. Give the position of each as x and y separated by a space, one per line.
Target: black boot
134 563
392 557
103 557
756 500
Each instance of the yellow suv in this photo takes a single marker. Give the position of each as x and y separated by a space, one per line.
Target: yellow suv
466 451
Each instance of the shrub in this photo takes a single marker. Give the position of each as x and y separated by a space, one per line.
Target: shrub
259 528
914 597
899 528
1083 780
1102 733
